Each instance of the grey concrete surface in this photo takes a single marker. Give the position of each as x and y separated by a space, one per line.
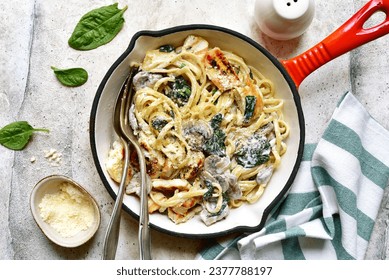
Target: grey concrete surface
33 37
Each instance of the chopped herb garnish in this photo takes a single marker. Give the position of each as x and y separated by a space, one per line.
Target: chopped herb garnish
166 48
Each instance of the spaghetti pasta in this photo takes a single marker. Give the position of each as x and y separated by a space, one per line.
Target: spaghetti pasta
211 129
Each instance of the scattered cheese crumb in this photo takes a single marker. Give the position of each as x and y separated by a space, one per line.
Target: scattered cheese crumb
68 211
53 156
32 159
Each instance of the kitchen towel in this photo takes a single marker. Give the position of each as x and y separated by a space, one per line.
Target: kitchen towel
330 210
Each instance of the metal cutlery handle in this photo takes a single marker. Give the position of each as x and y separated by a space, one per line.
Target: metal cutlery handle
112 235
144 232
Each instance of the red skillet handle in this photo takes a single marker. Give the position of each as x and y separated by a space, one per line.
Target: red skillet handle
347 37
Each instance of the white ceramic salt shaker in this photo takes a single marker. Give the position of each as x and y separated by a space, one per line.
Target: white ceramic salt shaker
284 19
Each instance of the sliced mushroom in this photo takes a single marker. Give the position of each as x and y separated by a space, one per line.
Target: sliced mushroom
216 165
205 175
196 132
210 219
223 182
145 79
264 175
266 129
234 191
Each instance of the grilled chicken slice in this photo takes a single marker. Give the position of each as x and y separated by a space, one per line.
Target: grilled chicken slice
219 70
195 44
115 163
173 184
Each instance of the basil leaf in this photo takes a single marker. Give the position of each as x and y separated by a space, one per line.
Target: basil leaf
16 135
72 77
97 27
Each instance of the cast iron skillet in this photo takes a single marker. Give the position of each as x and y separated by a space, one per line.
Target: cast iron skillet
287 75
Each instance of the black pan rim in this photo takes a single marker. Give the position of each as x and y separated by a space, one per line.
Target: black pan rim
275 61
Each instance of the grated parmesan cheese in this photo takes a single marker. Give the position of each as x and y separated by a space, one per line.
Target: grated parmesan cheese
68 211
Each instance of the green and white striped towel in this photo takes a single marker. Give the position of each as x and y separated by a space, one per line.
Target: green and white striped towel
331 207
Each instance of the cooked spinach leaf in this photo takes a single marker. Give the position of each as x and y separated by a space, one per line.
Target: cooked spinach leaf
180 92
251 75
72 77
166 48
215 145
210 188
249 107
226 199
158 123
97 27
216 121
255 152
16 135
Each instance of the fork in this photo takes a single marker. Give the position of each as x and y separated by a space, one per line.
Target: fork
126 135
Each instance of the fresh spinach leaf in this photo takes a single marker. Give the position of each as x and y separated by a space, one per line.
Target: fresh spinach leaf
249 107
72 77
180 92
16 135
97 27
255 152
